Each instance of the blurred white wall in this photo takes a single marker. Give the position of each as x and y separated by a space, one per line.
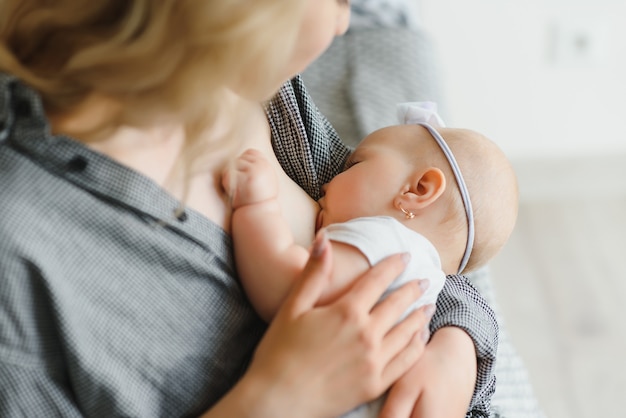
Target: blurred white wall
542 78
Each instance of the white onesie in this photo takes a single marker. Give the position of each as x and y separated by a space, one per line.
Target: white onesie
378 237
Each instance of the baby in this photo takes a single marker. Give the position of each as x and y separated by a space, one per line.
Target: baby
447 196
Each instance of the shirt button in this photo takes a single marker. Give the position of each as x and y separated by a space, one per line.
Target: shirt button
77 164
182 216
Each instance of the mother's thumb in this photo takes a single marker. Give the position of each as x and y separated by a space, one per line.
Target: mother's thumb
309 286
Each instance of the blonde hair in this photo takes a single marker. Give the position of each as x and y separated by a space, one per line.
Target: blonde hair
493 189
154 56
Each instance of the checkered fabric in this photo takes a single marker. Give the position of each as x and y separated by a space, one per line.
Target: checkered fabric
359 80
383 13
112 306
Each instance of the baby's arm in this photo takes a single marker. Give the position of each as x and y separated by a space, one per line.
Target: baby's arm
267 256
466 335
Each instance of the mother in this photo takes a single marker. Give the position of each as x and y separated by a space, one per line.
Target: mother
118 293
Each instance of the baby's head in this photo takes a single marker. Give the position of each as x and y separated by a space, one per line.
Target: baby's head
401 171
493 192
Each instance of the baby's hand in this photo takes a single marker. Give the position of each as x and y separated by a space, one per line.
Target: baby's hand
250 179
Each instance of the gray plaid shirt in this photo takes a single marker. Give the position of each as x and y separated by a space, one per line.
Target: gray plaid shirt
112 306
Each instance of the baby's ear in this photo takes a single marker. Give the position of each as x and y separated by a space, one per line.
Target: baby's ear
425 188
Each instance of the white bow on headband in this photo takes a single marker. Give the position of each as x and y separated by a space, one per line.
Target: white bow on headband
419 112
425 114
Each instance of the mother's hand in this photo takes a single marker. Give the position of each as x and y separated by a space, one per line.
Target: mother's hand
440 384
325 360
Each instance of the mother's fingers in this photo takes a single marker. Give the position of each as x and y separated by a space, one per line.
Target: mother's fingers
415 325
308 288
370 286
388 311
403 360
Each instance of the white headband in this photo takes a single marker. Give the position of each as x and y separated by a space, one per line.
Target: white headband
425 114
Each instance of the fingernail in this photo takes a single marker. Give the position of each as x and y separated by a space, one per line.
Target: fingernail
424 283
406 257
429 310
320 243
425 336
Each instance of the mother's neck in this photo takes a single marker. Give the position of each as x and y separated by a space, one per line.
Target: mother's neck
150 148
157 150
